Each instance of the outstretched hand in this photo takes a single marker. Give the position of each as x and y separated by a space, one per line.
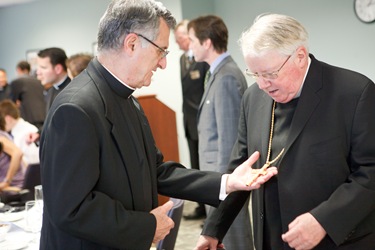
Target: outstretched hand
163 222
242 175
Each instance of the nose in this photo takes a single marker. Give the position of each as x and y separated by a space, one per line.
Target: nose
162 63
263 83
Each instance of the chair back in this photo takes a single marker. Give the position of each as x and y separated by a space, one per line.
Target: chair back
32 179
175 214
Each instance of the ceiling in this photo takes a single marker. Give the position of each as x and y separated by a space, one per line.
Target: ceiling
4 3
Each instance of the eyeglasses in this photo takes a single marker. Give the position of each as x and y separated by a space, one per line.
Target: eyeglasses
164 52
270 76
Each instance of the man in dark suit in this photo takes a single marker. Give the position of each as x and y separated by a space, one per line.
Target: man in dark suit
52 72
192 80
322 118
27 93
101 169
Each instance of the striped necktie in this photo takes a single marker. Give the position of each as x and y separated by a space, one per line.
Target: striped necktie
208 74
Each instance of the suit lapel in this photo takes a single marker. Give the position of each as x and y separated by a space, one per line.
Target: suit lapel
308 101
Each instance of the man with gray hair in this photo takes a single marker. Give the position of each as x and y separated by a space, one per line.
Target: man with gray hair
318 120
101 170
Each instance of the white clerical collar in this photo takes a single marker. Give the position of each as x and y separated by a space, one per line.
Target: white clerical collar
304 78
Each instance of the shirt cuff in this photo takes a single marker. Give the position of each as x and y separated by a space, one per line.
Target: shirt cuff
223 187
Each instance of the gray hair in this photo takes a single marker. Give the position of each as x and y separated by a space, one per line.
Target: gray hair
126 16
273 32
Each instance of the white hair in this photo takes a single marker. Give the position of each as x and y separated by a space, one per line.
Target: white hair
273 32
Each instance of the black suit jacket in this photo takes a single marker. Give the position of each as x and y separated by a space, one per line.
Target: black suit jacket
192 80
328 168
29 91
100 180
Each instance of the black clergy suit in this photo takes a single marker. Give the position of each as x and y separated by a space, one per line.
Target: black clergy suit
328 167
101 170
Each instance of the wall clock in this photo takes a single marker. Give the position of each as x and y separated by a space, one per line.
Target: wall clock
365 10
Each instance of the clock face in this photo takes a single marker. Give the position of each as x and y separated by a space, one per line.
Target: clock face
365 10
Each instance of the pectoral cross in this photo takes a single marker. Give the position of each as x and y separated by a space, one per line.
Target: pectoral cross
263 171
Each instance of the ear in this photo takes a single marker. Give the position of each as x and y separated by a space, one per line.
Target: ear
207 43
58 69
130 43
301 52
302 55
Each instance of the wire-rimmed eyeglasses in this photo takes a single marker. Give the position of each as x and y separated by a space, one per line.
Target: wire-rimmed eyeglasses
270 75
164 52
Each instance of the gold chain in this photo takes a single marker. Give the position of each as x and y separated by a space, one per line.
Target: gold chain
271 132
257 172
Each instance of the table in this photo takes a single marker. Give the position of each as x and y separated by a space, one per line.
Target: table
17 238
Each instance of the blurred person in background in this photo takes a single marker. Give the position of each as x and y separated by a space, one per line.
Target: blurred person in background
27 93
11 166
77 63
52 72
19 130
4 86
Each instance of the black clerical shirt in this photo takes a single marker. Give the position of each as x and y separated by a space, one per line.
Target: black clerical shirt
273 225
131 114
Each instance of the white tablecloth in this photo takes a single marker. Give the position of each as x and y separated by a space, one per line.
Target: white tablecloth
17 238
